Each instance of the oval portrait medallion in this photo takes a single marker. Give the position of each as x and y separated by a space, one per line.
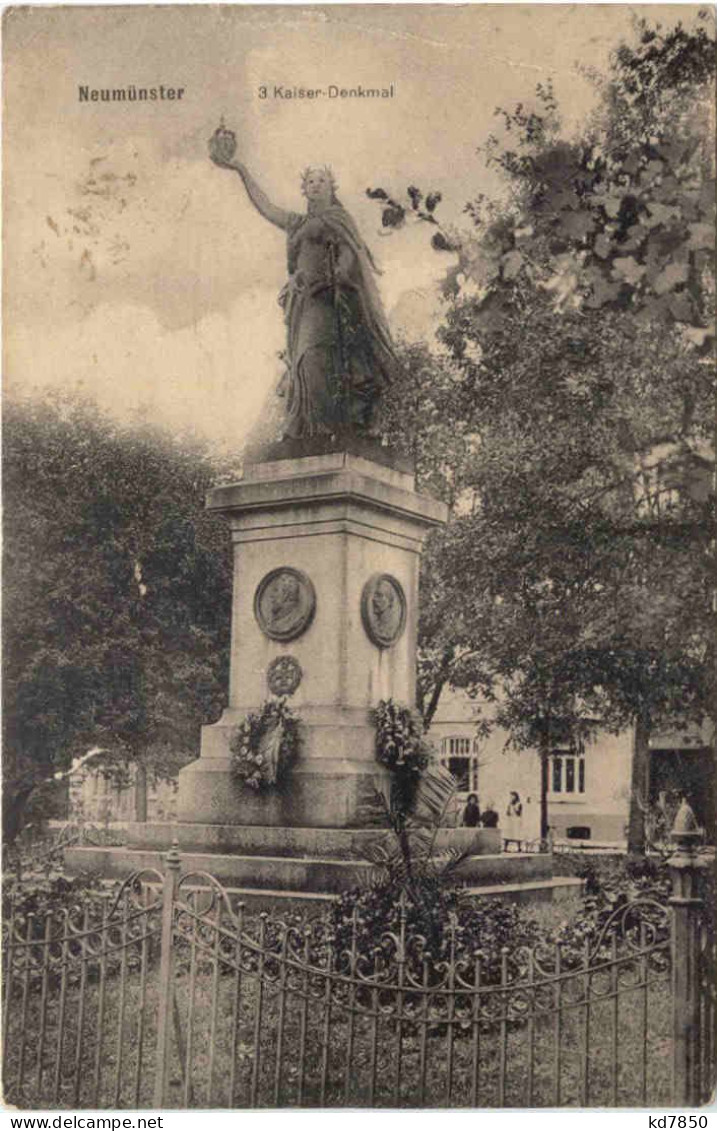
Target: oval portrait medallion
283 675
383 609
284 603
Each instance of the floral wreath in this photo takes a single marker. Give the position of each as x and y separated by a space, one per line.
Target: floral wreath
265 745
400 744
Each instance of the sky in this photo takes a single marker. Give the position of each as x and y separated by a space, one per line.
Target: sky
137 271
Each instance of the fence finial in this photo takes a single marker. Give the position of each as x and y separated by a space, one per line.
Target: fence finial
687 912
173 863
685 825
173 858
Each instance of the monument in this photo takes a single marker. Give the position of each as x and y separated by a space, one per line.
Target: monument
327 529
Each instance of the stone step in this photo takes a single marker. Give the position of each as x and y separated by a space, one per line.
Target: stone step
281 873
557 889
282 902
269 840
303 874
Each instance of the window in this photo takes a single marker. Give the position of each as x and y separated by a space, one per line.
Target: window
557 774
461 770
568 773
459 755
456 745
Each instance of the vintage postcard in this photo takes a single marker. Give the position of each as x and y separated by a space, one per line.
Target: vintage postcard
358 474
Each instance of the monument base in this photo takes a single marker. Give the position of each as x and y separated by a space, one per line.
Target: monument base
368 448
292 868
336 786
342 530
350 844
336 519
321 793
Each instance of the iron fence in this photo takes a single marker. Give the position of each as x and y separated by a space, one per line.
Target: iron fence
173 997
302 1020
79 997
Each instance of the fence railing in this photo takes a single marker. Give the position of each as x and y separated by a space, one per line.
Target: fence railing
79 994
300 1017
171 996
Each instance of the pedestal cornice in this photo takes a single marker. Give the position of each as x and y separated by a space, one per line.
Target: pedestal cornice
334 480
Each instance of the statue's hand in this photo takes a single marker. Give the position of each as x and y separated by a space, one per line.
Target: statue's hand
221 158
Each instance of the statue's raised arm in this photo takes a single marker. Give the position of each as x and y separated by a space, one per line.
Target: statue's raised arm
339 352
221 155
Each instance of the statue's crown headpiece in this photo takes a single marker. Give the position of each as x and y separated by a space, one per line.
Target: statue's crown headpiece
325 169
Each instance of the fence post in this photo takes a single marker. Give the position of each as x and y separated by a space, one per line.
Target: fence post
166 978
686 922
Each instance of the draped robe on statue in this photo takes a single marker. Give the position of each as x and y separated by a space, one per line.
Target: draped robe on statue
339 349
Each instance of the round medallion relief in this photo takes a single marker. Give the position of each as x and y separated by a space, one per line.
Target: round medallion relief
283 675
383 609
284 603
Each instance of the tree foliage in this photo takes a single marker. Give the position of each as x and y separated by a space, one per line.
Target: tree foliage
117 595
620 218
573 408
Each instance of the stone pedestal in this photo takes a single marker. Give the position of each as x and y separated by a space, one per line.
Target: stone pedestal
326 553
347 532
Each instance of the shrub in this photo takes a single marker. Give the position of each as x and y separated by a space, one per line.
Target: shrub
439 921
612 885
38 895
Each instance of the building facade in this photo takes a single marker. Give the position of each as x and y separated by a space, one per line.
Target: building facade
100 799
588 792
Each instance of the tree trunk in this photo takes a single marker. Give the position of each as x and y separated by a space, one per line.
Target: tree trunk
433 702
140 792
14 802
639 786
544 780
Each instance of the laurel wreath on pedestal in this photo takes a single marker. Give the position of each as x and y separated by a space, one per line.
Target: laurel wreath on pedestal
265 745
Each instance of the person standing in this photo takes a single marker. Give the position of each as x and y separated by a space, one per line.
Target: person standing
513 820
471 813
489 817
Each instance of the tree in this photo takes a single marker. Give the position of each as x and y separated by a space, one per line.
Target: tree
576 570
117 596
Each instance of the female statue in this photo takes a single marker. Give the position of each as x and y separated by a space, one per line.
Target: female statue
339 352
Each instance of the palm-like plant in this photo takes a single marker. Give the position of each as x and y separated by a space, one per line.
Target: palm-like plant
409 861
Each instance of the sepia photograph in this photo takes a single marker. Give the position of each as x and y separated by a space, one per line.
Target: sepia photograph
358 558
